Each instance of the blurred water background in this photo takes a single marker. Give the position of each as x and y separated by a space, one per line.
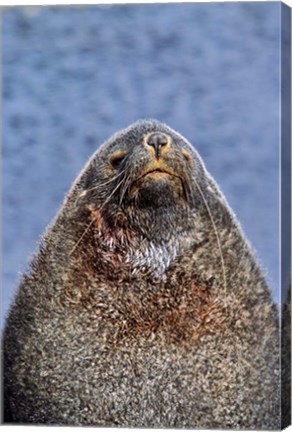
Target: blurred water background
72 76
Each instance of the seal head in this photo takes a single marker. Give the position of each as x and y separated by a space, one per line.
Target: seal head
142 185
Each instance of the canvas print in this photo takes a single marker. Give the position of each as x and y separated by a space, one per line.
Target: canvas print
147 215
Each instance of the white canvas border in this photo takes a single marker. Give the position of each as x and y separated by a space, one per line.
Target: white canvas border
31 3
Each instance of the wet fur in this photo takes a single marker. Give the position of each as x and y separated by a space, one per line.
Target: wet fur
143 308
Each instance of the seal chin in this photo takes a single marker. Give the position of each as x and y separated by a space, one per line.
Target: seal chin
158 189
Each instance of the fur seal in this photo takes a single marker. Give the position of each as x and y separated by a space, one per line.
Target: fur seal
144 306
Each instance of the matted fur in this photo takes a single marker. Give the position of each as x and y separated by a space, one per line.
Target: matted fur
144 306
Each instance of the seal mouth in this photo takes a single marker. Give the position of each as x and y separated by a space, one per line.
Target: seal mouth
158 182
158 172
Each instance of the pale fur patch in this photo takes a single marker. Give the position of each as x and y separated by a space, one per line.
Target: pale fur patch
154 259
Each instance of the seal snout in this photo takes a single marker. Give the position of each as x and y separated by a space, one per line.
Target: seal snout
159 142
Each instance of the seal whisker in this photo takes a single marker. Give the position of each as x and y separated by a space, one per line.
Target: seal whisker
91 222
188 192
106 183
217 237
127 183
111 195
81 237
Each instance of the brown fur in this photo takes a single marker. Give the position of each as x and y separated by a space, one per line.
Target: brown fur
144 305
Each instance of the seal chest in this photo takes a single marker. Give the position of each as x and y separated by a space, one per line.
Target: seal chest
144 306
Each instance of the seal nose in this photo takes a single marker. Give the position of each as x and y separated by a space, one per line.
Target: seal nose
158 140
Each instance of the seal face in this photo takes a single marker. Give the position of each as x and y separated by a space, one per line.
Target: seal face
144 185
144 306
151 172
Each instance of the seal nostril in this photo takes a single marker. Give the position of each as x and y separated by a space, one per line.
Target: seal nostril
157 140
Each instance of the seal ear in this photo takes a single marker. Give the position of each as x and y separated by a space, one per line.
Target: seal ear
187 156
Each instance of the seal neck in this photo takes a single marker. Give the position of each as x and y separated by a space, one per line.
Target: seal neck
153 259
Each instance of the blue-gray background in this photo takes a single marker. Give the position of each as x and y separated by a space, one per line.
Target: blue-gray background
72 76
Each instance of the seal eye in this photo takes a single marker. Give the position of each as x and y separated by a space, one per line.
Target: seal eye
117 158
